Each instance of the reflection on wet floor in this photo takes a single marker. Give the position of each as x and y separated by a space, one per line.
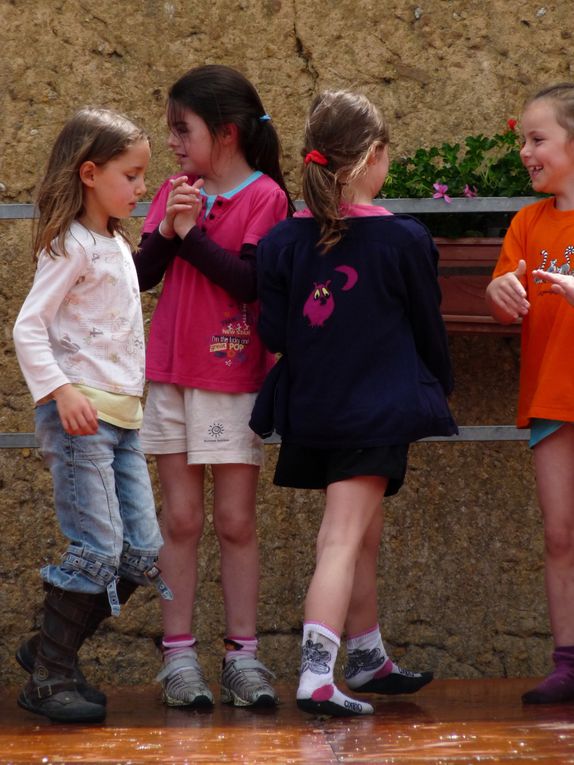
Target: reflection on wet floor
454 722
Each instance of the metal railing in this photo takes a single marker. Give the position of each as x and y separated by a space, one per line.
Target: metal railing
19 211
414 206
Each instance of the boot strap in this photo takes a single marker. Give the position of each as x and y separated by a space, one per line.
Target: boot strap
46 690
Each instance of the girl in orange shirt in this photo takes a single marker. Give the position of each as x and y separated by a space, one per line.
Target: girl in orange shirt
540 243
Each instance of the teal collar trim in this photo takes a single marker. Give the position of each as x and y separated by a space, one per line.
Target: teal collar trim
210 198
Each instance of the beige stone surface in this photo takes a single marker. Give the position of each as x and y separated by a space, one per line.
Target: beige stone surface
461 565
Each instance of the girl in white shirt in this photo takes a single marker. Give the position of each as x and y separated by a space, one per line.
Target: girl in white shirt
80 343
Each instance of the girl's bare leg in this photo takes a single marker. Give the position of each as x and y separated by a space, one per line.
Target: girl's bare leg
554 462
350 510
235 489
181 522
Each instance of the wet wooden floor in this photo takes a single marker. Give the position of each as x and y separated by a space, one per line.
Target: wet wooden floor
449 722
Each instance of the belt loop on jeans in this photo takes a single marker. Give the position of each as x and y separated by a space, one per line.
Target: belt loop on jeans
154 575
113 599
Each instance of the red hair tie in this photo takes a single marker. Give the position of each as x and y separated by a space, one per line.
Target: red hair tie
316 157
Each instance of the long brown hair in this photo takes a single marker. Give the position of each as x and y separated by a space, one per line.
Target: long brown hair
345 128
92 134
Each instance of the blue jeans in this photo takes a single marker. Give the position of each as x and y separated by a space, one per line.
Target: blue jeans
104 505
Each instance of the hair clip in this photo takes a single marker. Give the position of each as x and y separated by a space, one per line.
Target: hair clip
316 157
265 118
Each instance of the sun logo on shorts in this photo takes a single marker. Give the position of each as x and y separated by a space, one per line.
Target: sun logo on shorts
216 430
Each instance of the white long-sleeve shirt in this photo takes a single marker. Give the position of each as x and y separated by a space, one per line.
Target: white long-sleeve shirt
82 321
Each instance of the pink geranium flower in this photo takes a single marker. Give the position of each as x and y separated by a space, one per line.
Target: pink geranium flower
440 192
470 192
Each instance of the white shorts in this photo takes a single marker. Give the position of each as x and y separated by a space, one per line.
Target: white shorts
211 427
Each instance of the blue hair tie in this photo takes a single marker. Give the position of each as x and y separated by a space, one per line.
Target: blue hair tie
265 118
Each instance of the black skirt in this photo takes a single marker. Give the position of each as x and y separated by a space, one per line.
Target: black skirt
301 467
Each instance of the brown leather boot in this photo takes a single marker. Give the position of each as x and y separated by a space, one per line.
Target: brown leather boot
52 689
27 651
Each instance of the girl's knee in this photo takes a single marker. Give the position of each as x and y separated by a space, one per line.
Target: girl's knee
235 530
184 525
559 541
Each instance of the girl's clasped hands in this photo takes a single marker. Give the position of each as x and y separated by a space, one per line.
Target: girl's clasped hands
183 207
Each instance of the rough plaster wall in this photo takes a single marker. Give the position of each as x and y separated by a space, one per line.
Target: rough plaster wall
461 574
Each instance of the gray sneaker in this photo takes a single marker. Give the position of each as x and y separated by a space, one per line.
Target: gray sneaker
245 683
183 682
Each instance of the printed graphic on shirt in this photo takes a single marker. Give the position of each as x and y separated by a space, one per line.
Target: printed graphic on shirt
232 343
552 267
321 302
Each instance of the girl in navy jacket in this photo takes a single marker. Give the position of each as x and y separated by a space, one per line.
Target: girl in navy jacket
350 299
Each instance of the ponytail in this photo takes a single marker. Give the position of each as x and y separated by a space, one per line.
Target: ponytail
322 195
262 150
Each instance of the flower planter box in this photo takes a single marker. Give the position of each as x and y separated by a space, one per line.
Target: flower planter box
466 264
465 269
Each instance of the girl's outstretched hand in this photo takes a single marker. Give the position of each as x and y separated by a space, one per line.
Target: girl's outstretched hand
79 417
182 209
562 284
506 295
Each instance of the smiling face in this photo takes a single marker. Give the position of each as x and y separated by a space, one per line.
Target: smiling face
113 189
548 152
192 143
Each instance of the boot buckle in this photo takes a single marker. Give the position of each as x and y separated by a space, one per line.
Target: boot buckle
50 689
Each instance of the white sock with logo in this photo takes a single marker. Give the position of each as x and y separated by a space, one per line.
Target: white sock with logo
317 692
370 670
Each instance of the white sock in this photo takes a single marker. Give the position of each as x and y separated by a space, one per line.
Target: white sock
367 641
317 689
236 647
367 660
173 645
366 656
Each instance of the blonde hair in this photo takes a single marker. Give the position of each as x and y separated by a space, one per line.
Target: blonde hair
346 128
92 134
562 97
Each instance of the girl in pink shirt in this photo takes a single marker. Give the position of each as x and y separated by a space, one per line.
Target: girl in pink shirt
205 364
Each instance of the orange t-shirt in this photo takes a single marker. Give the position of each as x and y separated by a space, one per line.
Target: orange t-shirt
544 237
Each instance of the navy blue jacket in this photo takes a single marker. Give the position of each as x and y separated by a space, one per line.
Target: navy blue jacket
365 352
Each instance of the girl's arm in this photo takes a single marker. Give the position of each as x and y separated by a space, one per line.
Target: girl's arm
273 299
425 316
152 258
159 242
78 415
562 284
53 281
506 296
236 275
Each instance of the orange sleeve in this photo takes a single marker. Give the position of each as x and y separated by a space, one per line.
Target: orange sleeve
513 247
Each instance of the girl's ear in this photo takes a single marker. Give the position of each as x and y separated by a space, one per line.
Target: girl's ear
376 150
87 173
229 134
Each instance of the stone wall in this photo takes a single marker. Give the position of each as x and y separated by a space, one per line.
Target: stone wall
461 566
